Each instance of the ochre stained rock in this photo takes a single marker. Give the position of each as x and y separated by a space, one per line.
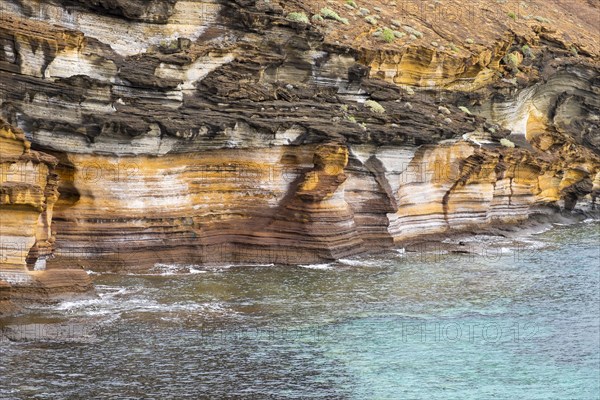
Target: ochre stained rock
28 192
209 132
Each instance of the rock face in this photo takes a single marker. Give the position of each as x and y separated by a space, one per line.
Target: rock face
28 191
7 307
223 132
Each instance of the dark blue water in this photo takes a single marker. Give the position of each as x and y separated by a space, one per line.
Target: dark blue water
521 320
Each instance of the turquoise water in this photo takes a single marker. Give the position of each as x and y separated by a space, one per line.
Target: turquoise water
521 320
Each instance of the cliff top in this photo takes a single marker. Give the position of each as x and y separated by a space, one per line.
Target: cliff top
452 25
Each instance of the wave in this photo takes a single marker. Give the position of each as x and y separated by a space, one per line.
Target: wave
322 267
506 250
160 269
179 269
352 262
90 272
113 301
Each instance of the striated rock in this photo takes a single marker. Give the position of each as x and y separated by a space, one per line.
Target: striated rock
28 192
222 132
7 307
52 285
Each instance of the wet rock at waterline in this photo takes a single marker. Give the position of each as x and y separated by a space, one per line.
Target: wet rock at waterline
208 132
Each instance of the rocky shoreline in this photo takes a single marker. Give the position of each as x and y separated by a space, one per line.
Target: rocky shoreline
462 243
72 285
235 132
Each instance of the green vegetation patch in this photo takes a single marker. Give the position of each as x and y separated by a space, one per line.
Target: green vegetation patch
388 35
298 17
374 106
328 13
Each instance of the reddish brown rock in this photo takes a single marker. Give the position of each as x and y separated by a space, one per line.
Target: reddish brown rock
53 285
222 132
7 307
28 191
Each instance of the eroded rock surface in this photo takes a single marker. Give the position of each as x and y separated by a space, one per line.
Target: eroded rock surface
28 192
224 132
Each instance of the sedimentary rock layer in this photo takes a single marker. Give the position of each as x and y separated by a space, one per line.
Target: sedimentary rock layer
7 307
28 191
224 132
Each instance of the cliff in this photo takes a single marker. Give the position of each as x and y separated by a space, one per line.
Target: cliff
28 192
289 132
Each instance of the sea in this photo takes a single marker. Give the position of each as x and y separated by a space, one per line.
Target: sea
516 318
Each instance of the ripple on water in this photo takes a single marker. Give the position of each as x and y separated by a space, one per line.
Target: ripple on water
528 320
